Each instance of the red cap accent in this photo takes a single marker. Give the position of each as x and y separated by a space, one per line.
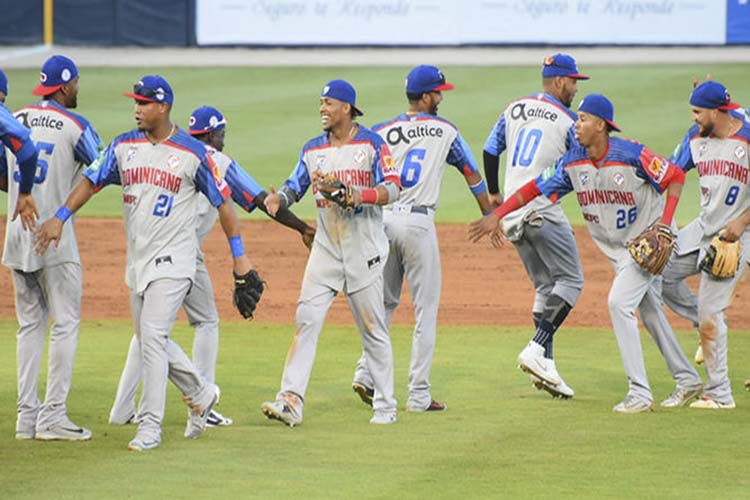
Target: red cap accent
445 86
43 91
138 97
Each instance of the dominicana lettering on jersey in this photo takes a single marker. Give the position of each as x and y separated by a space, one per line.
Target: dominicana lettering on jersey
153 176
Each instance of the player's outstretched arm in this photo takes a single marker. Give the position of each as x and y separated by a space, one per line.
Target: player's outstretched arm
479 190
736 227
286 217
51 230
490 224
231 226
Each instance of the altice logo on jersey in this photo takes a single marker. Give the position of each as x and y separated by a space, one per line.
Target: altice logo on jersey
520 111
39 121
397 134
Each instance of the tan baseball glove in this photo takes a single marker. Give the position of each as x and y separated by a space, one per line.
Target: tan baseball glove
722 258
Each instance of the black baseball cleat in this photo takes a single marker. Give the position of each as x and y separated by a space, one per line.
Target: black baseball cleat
365 393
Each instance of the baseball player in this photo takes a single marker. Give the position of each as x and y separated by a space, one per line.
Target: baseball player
18 140
422 144
717 148
349 251
536 130
49 284
208 125
161 170
619 185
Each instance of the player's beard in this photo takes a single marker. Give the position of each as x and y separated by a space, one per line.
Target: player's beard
705 130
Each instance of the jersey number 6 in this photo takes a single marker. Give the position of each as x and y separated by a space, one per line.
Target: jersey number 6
412 168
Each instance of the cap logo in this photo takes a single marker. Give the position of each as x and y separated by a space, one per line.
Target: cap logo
42 77
65 75
213 121
549 61
192 120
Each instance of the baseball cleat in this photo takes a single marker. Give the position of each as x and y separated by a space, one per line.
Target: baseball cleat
216 419
632 405
707 403
25 434
282 411
698 355
383 418
366 394
681 396
433 406
532 361
562 390
143 444
747 384
64 431
198 416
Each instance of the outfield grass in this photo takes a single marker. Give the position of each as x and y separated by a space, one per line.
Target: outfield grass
272 112
500 438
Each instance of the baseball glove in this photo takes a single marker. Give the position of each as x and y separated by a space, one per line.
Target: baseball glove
651 249
247 291
722 258
336 191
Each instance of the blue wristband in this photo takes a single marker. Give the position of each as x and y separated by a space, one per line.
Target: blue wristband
478 188
63 213
485 214
238 249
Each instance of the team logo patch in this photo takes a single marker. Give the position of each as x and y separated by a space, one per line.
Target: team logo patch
320 161
359 156
702 149
173 163
215 170
131 153
739 152
619 179
583 176
657 168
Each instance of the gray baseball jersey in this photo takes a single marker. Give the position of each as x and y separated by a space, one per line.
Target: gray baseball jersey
422 145
620 195
50 284
536 130
348 254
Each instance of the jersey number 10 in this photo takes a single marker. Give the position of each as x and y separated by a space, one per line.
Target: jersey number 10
526 147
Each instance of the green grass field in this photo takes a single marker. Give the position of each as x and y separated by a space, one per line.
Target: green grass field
500 438
272 112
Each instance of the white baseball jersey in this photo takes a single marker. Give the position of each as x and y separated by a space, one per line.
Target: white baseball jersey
619 195
424 143
536 131
160 184
722 165
354 244
66 143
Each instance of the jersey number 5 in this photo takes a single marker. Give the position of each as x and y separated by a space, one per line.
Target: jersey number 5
412 168
43 148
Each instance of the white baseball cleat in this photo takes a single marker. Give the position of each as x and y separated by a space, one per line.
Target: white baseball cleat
532 361
216 419
63 431
198 416
681 396
25 434
699 355
283 411
143 443
708 403
631 404
562 390
383 418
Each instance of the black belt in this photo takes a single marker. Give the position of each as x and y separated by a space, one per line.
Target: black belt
419 209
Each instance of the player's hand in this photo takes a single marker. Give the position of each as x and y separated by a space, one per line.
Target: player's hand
272 202
488 224
497 237
26 208
45 234
496 200
242 265
734 230
308 237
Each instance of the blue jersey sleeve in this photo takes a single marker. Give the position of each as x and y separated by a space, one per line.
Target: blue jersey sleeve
460 156
299 180
88 147
681 156
209 181
3 163
244 187
495 143
554 182
18 139
570 138
104 170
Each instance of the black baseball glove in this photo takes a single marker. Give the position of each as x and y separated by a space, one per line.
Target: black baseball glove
247 291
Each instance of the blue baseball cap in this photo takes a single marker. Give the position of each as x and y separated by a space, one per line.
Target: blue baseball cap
56 72
712 95
152 88
598 105
3 82
561 65
424 78
206 119
343 91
